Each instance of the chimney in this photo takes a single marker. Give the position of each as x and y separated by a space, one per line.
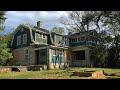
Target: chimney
39 24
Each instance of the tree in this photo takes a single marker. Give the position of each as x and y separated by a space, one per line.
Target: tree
5 54
2 19
98 55
58 30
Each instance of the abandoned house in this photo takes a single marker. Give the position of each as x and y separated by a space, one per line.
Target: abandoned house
38 46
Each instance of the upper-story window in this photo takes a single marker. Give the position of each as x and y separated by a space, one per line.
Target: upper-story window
79 39
74 40
43 35
24 38
82 38
40 36
19 40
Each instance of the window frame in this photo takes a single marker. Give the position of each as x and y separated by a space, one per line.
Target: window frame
43 36
24 38
80 53
18 40
26 54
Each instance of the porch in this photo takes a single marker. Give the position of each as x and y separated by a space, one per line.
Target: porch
80 56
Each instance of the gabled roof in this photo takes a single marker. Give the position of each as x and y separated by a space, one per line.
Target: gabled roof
35 29
18 28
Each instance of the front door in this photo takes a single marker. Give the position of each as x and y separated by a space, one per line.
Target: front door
43 56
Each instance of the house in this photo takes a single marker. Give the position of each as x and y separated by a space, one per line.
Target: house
38 46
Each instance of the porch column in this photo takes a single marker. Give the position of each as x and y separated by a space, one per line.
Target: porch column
87 57
50 58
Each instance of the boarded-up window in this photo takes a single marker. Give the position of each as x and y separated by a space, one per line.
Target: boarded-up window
26 54
24 38
19 40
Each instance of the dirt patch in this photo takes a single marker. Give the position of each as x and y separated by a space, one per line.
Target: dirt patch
99 74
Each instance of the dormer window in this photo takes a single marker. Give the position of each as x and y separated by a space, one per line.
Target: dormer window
40 35
43 35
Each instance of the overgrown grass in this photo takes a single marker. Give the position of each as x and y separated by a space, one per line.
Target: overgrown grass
53 74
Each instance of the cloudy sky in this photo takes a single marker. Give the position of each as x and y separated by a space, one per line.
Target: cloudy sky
49 18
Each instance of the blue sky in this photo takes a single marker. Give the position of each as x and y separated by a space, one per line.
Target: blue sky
49 18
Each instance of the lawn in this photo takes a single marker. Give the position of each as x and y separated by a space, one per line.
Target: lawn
55 74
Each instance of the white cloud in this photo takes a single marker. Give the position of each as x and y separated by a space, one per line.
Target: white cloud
49 18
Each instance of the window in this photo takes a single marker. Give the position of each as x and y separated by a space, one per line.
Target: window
79 39
82 38
40 35
24 38
26 54
43 35
18 40
80 55
73 40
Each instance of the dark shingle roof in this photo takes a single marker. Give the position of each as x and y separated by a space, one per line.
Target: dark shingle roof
41 29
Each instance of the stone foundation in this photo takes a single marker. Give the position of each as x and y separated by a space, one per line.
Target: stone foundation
57 66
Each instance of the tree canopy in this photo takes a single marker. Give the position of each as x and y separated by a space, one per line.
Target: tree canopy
5 51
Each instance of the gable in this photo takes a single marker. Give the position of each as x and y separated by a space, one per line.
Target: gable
21 31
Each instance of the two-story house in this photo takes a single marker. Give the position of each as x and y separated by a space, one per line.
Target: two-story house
38 46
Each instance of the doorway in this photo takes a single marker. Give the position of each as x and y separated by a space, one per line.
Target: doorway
37 57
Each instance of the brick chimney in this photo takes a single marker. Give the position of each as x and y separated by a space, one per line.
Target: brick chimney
39 24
